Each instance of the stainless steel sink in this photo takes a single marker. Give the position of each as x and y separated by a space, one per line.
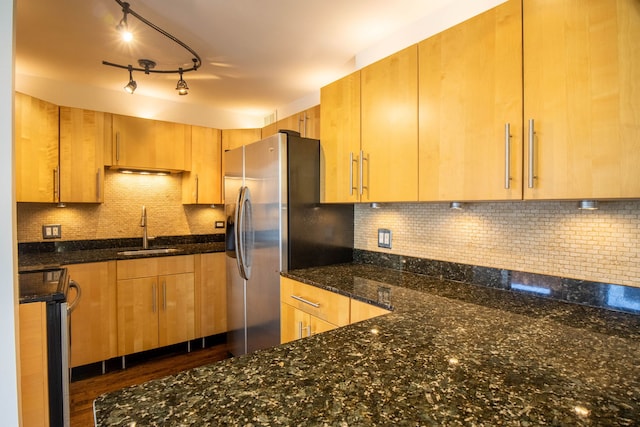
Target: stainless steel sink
149 251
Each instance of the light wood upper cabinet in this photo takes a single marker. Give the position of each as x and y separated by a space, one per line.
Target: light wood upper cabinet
389 133
150 144
94 322
83 136
36 150
306 122
470 103
203 184
211 294
234 138
340 140
582 86
155 302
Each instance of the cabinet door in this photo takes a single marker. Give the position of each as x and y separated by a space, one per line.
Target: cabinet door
94 327
362 311
296 324
211 294
150 144
234 138
340 140
292 322
138 305
325 305
34 386
470 91
36 149
83 135
390 128
581 74
203 184
176 294
310 122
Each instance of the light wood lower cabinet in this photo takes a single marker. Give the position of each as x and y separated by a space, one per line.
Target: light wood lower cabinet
362 311
307 310
156 302
34 385
93 321
296 324
211 294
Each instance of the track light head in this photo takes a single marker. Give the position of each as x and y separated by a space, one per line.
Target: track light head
132 85
123 26
182 87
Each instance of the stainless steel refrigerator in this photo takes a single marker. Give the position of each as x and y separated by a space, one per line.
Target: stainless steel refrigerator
274 223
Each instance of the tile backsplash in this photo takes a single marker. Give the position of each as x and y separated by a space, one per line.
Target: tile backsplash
553 238
119 215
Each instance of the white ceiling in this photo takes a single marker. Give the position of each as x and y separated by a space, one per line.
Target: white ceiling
258 56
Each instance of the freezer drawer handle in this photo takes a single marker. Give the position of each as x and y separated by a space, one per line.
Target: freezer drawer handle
312 304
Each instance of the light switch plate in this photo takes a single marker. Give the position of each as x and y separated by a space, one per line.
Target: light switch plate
219 224
384 238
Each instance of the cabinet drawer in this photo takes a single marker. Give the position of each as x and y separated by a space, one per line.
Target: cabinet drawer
147 267
325 305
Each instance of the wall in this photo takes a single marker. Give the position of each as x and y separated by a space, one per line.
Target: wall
119 215
552 238
9 290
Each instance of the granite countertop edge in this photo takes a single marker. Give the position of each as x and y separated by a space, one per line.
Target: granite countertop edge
44 260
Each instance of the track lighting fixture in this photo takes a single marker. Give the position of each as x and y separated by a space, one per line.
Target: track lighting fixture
146 65
182 87
132 85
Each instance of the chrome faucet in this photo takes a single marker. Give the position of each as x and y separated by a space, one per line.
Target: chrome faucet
143 224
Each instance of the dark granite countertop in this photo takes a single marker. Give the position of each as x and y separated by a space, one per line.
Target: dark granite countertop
42 255
449 354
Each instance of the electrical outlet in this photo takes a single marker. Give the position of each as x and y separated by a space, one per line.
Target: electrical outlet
52 231
384 238
219 224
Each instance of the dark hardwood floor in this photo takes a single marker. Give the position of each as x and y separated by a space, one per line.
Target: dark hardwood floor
87 384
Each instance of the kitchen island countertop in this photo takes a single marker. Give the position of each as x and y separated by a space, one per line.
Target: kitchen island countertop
449 354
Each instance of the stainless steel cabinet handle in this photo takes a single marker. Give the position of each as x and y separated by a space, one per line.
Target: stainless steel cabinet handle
197 184
312 304
531 152
56 185
362 160
308 328
164 295
98 173
507 156
300 330
351 186
154 296
117 147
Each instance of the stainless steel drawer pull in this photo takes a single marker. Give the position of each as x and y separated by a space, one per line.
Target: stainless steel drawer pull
312 304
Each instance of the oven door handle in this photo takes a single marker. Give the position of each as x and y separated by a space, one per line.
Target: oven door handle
74 285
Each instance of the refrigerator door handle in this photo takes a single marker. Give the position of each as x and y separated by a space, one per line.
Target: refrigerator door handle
244 233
